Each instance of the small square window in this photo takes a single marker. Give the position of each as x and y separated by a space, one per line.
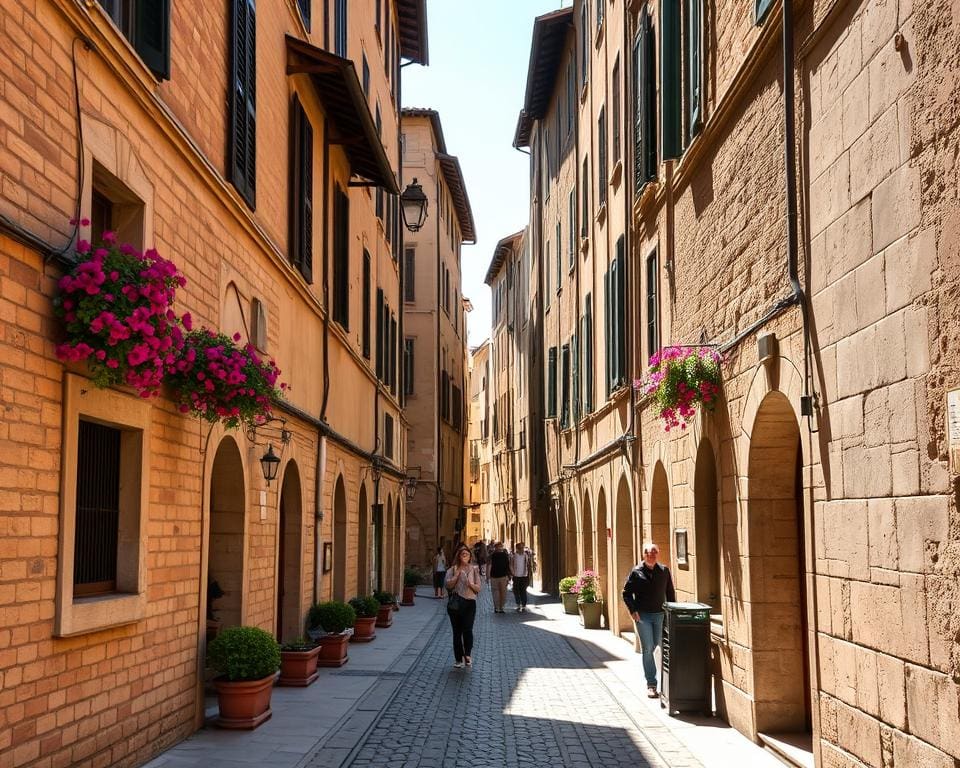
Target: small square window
115 207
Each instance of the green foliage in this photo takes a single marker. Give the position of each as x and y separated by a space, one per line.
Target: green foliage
566 584
299 644
385 598
332 616
244 653
366 607
587 588
411 577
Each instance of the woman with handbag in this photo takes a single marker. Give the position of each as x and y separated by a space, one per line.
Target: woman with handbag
463 581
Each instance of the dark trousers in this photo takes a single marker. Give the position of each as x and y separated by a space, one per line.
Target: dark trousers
461 622
520 584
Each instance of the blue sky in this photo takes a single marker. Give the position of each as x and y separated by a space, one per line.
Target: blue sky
479 53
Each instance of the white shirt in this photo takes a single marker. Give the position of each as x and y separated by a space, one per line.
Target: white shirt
519 564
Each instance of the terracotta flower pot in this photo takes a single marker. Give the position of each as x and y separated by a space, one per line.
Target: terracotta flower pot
569 600
408 594
363 630
244 705
333 650
298 668
590 615
385 615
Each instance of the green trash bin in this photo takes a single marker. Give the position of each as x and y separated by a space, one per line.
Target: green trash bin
685 658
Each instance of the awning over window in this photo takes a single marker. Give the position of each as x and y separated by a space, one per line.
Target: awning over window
351 124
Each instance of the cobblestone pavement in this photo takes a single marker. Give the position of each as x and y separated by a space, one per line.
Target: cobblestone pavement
530 700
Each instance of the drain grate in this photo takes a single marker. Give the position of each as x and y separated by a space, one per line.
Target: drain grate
368 673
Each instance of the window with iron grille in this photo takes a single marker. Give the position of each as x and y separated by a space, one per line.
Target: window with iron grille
242 164
146 24
98 510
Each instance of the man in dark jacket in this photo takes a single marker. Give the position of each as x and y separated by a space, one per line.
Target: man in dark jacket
648 587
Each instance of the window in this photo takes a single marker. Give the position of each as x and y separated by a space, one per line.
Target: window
615 285
457 406
644 104
572 228
341 258
304 6
114 206
586 344
693 98
559 245
547 270
653 306
106 492
584 43
552 383
376 21
575 375
671 80
301 190
340 29
565 386
380 340
366 298
615 125
602 159
388 435
445 400
571 94
392 373
409 274
408 365
366 76
242 148
585 201
761 9
146 24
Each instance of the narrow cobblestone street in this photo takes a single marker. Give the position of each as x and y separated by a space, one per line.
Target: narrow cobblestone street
530 699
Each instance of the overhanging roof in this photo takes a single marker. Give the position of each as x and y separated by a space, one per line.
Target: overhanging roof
504 247
521 136
338 88
546 47
413 30
458 190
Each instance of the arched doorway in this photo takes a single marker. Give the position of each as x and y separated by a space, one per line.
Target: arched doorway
706 537
602 543
659 532
390 557
586 534
778 611
626 557
363 544
339 541
227 536
289 569
397 583
571 566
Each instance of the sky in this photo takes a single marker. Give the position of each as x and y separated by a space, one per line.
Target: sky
479 52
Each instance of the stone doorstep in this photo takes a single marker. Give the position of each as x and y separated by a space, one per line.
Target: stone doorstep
793 749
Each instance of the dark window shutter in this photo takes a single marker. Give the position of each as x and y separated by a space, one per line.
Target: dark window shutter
365 300
340 29
151 35
409 362
393 353
645 105
301 190
552 382
653 308
575 376
602 159
585 202
694 28
621 318
380 342
341 259
615 115
587 344
243 97
409 274
671 80
304 6
565 386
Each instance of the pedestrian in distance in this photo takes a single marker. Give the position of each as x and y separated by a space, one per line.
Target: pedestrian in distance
439 572
520 572
482 556
499 575
647 588
463 581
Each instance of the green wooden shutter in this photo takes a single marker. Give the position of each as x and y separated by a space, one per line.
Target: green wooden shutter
694 81
151 35
575 384
671 79
621 319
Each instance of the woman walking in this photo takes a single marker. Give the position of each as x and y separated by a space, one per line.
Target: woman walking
463 580
439 571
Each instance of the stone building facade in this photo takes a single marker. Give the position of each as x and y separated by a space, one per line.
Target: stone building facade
435 341
203 130
477 497
815 507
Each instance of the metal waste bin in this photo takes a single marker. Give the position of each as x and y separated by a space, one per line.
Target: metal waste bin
685 658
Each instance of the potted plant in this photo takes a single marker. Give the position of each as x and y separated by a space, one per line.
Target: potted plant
298 662
246 660
411 578
567 595
589 599
385 611
334 618
366 609
681 378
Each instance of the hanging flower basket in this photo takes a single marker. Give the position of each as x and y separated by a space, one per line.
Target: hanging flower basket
218 380
680 379
117 305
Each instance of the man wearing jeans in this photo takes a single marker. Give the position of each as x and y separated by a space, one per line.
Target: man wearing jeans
648 587
520 571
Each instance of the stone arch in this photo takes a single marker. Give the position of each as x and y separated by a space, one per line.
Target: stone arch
776 563
705 551
364 542
658 530
602 558
290 554
228 540
387 543
339 540
625 554
586 535
570 540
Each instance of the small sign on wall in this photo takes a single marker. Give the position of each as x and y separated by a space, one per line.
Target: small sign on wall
953 429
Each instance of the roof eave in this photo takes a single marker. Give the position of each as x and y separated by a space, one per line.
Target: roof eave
413 31
453 174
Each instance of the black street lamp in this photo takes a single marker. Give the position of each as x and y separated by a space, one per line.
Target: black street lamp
414 206
269 464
